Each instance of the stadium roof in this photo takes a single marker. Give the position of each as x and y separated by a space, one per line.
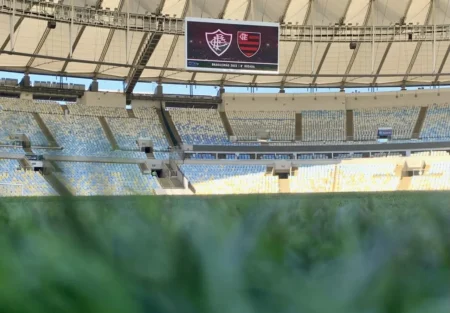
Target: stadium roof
314 48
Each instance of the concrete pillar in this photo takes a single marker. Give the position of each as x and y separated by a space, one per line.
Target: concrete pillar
26 81
159 90
94 86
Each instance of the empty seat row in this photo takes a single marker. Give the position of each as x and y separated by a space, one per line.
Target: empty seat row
230 179
280 125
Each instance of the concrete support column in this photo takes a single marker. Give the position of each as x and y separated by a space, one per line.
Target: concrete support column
94 86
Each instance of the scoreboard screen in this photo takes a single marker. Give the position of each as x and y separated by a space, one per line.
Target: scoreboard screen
231 46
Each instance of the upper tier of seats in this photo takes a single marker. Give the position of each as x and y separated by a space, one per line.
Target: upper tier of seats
437 122
323 125
401 119
128 130
279 124
90 179
84 110
82 136
21 105
15 182
230 179
24 123
199 126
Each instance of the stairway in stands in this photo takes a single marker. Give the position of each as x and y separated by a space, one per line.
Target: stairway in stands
169 127
419 123
349 125
284 185
298 127
226 124
130 113
55 182
108 132
51 140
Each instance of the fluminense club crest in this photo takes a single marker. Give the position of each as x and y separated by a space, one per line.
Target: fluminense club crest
218 41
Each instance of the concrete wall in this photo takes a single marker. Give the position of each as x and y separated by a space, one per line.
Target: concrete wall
104 99
282 102
331 101
145 104
26 96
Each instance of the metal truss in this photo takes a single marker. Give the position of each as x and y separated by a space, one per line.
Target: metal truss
116 19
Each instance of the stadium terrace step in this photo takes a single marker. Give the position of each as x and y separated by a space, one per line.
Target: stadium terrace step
269 171
59 187
170 183
144 168
226 124
284 185
108 133
349 125
405 184
169 128
335 180
298 127
419 124
51 140
130 113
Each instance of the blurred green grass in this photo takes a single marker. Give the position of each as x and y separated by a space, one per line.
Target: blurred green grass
349 253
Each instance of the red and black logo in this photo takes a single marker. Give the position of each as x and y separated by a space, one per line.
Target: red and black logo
249 43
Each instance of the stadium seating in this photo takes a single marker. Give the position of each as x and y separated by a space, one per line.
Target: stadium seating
323 125
20 105
83 136
437 178
20 123
230 179
402 121
366 177
90 179
199 126
436 124
146 113
15 182
313 178
128 130
85 110
279 124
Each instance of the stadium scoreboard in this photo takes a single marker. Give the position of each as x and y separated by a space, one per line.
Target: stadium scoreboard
231 46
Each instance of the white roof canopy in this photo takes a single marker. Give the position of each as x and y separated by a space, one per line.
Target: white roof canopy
108 53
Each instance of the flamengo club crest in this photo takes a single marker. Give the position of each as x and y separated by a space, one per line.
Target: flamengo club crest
249 43
218 41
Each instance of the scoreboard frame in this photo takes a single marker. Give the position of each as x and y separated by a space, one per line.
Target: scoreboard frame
229 70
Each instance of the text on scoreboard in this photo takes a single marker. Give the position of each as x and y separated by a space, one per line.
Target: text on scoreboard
231 46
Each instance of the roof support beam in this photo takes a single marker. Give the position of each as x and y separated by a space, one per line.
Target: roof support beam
16 26
175 40
296 47
419 45
147 46
444 60
358 45
341 22
286 8
98 5
388 47
38 48
246 16
107 43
